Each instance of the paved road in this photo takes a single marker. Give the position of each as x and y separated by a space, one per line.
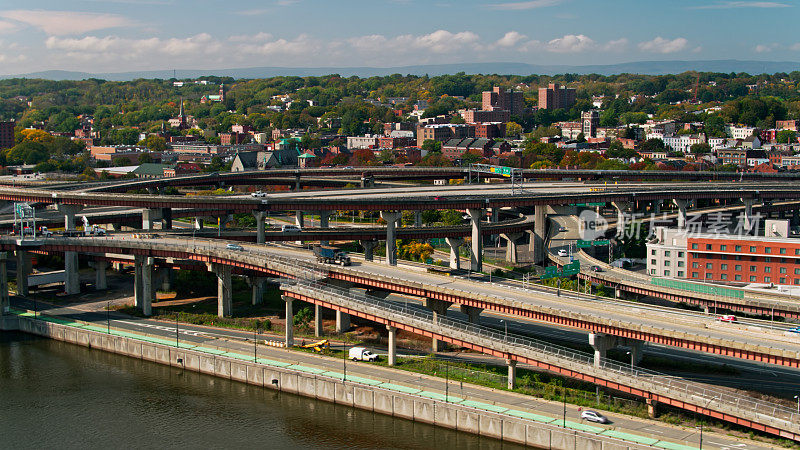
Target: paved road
234 340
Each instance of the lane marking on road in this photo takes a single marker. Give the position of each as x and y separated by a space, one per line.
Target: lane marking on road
163 328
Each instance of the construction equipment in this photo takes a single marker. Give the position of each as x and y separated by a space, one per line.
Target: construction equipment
318 346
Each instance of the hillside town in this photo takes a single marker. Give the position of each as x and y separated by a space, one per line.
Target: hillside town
697 122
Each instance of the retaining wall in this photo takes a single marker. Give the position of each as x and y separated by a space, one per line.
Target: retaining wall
370 398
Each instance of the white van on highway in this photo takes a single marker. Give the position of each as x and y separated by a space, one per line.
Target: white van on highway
362 354
290 229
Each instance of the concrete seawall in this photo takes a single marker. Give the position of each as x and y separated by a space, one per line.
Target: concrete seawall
521 430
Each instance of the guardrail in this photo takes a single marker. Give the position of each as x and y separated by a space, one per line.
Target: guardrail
665 385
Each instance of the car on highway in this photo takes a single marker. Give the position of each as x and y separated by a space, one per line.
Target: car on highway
290 229
562 229
593 416
234 247
730 318
563 253
597 269
794 330
259 194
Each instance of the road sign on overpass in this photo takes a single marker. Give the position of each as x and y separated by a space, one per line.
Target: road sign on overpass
596 243
570 269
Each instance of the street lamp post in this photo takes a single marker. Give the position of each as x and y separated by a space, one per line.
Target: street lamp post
255 344
108 318
797 397
177 338
564 395
344 362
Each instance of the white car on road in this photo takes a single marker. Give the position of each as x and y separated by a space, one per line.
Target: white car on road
593 416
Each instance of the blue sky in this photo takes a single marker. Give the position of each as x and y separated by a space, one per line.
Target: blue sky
124 35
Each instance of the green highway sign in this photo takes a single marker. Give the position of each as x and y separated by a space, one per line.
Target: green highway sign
570 269
590 204
586 244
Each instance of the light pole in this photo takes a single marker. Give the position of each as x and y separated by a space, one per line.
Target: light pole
344 362
797 397
108 318
564 395
177 339
505 325
701 423
255 344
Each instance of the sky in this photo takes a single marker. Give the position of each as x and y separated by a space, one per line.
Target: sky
132 35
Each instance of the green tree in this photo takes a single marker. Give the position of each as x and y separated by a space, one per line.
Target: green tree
787 137
513 129
431 145
155 143
700 149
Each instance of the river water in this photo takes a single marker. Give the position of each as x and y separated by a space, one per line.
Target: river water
58 395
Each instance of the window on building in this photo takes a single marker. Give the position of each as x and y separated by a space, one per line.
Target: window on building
752 278
723 256
782 251
797 271
695 265
695 247
709 266
709 246
738 267
653 252
724 276
652 271
783 270
767 249
782 281
666 263
783 260
680 263
753 268
709 276
767 269
797 251
666 273
653 262
738 257
767 280
797 281
680 254
680 273
723 248
752 249
723 267
737 277
766 259
694 275
738 248
667 253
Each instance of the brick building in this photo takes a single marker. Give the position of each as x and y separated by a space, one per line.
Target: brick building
479 115
444 132
7 134
490 130
505 100
555 96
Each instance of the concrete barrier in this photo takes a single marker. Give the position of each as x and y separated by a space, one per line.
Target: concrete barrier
372 398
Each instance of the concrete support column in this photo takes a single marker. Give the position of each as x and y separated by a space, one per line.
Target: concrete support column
23 271
167 277
391 218
289 321
748 215
257 284
511 246
299 219
473 313
512 373
601 343
369 249
297 185
224 289
392 360
198 223
324 218
69 212
622 208
318 331
539 232
143 292
656 207
5 304
72 282
418 219
637 353
150 216
166 221
455 257
681 204
259 216
476 257
651 408
342 322
100 282
439 308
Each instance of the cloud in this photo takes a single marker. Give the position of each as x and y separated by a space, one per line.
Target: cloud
441 41
795 47
59 23
7 27
735 5
510 39
765 48
570 43
301 45
518 6
617 45
661 45
116 47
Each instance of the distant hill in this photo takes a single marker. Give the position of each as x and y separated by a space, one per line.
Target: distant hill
502 68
